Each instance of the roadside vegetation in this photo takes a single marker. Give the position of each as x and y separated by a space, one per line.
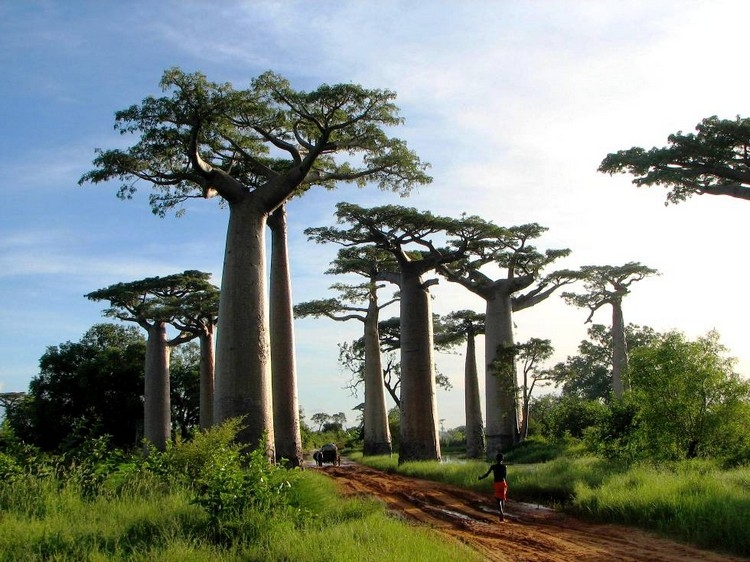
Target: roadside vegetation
671 456
693 501
198 500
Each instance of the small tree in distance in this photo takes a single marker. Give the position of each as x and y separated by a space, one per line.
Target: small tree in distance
531 355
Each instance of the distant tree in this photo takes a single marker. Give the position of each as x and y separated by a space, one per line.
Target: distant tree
351 357
608 285
9 400
466 325
255 148
321 418
561 417
588 374
195 313
532 354
361 303
185 384
338 419
715 161
84 390
521 264
153 303
692 403
406 233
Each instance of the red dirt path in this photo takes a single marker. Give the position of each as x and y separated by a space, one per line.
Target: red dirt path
529 533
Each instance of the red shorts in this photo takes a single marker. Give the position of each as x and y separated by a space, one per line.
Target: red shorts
501 490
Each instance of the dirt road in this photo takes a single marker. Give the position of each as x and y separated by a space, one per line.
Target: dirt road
528 532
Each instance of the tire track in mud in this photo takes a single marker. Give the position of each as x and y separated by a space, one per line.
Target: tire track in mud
529 533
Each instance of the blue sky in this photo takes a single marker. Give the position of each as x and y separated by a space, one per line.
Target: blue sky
513 103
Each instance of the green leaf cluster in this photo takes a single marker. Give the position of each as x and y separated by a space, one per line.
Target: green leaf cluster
714 160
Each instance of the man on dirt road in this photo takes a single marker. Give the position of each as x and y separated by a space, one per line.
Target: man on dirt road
500 472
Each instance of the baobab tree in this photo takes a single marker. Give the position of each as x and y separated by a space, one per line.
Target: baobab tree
608 285
406 233
287 433
459 326
715 161
254 148
197 313
360 302
153 303
588 374
511 251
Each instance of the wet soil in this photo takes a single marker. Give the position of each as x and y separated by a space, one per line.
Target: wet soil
529 532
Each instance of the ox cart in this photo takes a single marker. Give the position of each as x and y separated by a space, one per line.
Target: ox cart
328 453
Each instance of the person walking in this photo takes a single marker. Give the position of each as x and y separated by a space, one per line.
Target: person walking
500 473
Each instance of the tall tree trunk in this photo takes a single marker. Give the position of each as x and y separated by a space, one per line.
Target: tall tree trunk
475 445
500 380
243 377
419 420
157 421
288 439
377 434
619 350
207 363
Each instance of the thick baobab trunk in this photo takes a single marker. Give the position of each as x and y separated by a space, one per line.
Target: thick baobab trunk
243 376
157 421
619 350
377 434
207 363
475 445
419 420
288 440
500 379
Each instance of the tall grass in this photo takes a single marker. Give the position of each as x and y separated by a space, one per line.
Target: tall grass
195 504
695 502
692 501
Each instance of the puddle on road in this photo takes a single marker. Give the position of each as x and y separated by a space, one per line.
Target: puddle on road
454 514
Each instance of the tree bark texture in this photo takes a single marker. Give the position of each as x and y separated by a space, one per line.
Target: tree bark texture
419 420
475 444
243 375
288 439
500 383
619 349
207 364
377 434
157 422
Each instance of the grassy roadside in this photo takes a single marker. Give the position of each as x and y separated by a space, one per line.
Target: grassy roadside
147 518
694 502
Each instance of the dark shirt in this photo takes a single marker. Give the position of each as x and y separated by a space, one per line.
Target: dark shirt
499 471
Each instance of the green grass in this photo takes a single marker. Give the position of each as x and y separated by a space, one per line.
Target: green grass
44 519
695 502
